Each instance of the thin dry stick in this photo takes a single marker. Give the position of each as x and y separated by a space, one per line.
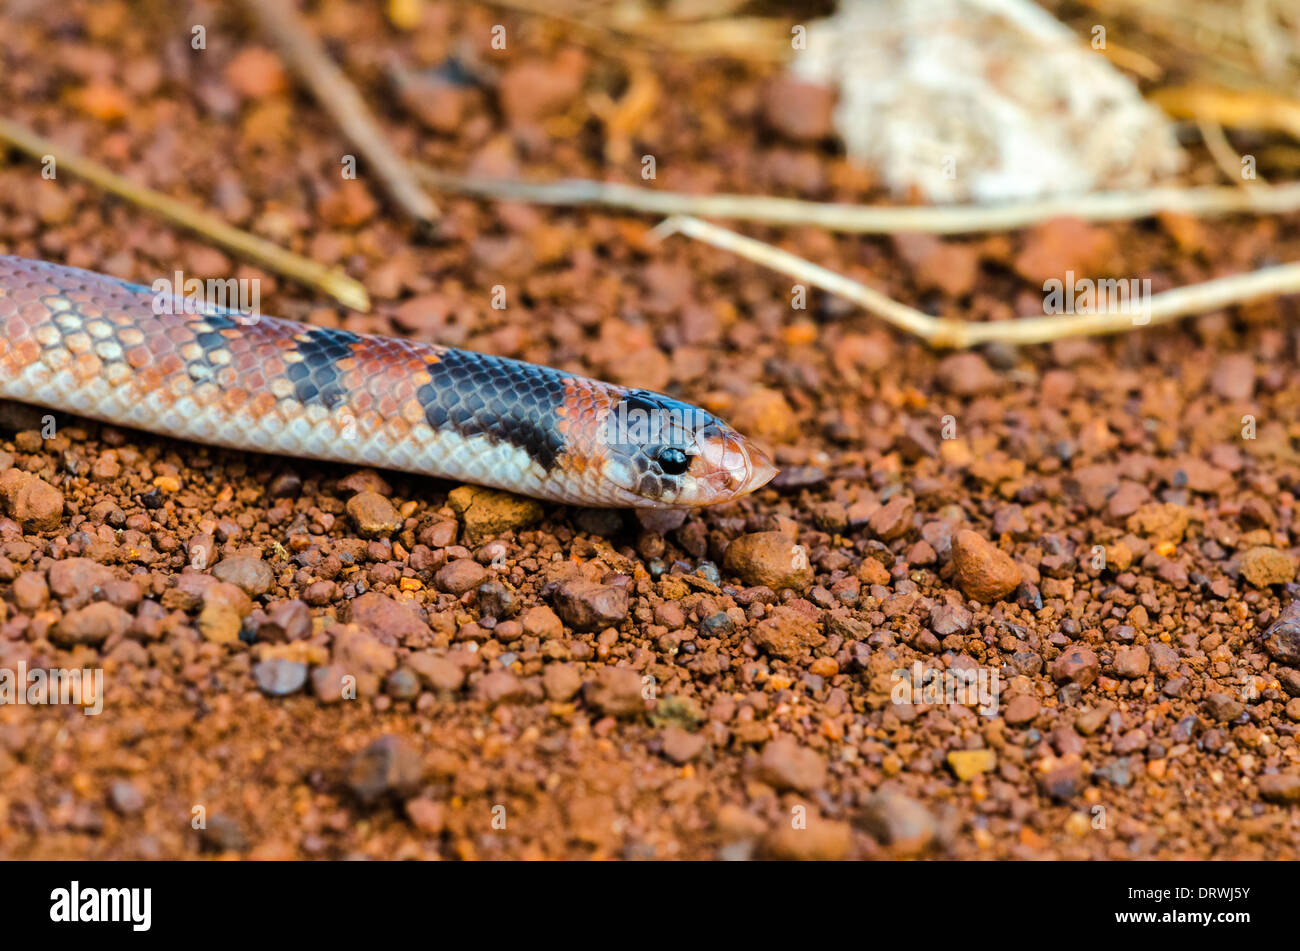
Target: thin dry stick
754 38
307 56
945 333
1220 149
275 258
868 219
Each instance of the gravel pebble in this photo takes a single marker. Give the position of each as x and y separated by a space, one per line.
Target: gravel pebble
680 746
967 764
984 572
1263 566
899 821
948 619
501 686
124 798
770 559
248 572
363 657
786 764
279 677
486 513
31 501
1132 662
1223 708
587 606
1021 710
459 576
1283 788
222 617
787 633
388 766
541 622
616 692
1282 638
1076 664
561 682
392 621
92 624
372 515
820 840
437 673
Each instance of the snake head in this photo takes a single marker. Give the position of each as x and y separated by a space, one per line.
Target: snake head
663 452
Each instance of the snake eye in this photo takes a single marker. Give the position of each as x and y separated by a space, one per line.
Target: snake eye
672 460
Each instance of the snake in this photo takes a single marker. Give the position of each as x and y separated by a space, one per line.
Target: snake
154 359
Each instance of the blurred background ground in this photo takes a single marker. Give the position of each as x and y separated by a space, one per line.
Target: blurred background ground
1142 715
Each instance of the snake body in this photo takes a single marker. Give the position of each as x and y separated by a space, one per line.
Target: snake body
125 354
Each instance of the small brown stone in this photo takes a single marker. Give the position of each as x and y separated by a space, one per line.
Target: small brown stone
224 608
248 572
561 682
364 657
93 624
1062 779
459 576
487 512
967 764
285 621
819 840
900 822
426 815
372 515
31 501
893 519
1222 708
391 620
1264 566
501 686
786 764
1132 662
770 559
1021 710
786 633
30 592
616 692
587 606
543 623
1282 639
389 766
1076 664
1283 788
437 673
984 572
1160 522
680 746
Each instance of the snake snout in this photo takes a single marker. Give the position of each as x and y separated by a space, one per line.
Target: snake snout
732 468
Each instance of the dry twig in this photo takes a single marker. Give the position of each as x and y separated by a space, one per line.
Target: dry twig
1232 109
275 258
946 333
1221 150
877 219
702 34
308 58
